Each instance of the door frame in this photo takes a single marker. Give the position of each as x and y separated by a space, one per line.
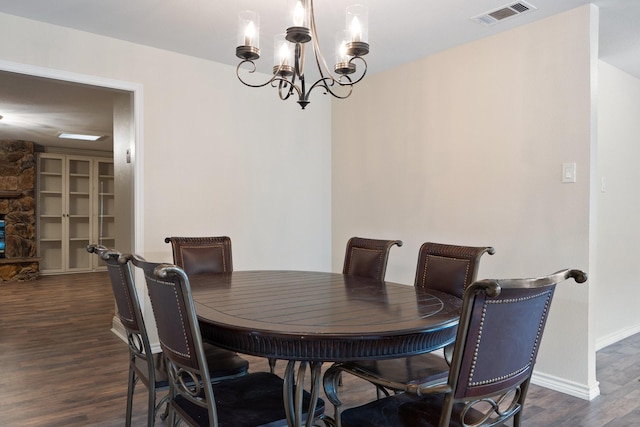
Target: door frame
136 148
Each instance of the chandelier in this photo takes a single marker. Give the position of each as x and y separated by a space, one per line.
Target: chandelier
289 53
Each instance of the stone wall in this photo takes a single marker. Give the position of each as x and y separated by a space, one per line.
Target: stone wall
17 205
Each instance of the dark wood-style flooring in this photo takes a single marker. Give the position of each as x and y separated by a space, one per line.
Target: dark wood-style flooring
60 365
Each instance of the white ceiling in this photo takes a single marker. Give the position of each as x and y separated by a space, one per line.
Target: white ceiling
400 31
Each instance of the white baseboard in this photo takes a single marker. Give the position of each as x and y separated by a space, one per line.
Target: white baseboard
120 332
618 336
118 329
571 388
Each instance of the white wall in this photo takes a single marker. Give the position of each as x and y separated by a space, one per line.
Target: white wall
617 293
466 147
219 158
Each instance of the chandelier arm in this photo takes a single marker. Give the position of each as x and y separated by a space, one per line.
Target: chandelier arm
327 83
339 81
252 71
328 80
282 85
321 63
272 81
353 82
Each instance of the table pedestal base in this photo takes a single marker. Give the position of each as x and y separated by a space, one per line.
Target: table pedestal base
293 392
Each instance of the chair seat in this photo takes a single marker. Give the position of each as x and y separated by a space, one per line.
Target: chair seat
248 401
224 363
162 380
406 410
402 373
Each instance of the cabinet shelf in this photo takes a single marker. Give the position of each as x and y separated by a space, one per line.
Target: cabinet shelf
50 240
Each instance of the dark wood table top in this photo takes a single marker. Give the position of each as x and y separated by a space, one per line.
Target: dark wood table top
316 316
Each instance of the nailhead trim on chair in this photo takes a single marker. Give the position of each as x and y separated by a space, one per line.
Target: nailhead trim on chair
537 340
184 333
130 316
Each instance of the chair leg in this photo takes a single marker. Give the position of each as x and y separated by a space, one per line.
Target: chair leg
165 401
272 365
172 415
151 406
164 415
130 389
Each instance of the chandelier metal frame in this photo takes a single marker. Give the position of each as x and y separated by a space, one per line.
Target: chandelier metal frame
291 80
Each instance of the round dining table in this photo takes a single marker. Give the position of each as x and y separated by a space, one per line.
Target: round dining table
309 318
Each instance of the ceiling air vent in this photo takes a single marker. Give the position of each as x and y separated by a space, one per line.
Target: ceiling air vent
504 12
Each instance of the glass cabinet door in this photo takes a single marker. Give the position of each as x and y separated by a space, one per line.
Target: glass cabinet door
78 213
51 229
104 208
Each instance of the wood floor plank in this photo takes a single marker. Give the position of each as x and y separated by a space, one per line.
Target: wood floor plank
60 365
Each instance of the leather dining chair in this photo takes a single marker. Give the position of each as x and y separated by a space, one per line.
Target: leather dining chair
441 267
368 257
144 365
501 327
197 255
255 399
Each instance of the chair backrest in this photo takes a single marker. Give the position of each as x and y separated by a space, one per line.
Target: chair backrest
130 313
179 333
497 343
202 254
448 268
368 257
124 292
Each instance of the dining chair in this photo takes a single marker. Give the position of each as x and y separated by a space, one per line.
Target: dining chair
441 267
255 399
500 331
197 255
368 257
144 365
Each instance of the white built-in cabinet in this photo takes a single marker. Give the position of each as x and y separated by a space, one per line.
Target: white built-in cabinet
75 207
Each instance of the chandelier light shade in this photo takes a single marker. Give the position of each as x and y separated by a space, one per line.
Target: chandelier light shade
351 44
248 35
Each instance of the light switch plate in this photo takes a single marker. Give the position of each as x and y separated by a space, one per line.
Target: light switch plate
568 172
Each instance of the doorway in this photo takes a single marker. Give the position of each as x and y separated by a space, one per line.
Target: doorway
47 96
